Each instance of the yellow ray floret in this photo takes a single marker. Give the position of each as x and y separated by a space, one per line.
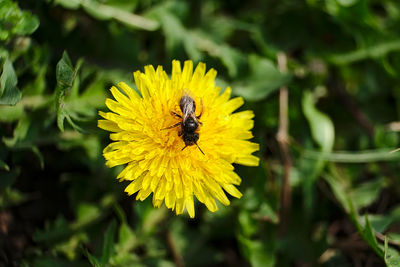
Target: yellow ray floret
155 161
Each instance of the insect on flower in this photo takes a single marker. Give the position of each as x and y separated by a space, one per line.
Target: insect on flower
158 162
190 122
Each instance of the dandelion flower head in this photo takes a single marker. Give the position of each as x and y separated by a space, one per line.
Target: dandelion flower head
154 160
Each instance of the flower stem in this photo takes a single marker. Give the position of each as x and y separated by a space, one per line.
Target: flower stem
283 139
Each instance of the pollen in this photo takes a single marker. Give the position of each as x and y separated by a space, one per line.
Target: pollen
154 161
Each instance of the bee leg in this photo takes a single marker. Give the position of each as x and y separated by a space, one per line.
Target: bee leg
173 126
180 133
184 147
176 114
199 148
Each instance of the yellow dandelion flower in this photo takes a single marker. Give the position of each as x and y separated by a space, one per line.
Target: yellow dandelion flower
144 139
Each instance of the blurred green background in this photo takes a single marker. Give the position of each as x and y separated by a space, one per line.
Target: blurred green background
60 205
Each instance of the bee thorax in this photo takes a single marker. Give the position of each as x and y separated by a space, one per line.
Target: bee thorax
190 125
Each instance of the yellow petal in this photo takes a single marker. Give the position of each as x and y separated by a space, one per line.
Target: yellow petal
108 125
157 202
248 160
170 198
233 104
210 204
232 190
217 191
121 98
187 71
180 206
190 205
129 91
135 186
178 186
143 194
160 191
198 76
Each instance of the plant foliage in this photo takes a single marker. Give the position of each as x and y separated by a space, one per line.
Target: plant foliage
60 205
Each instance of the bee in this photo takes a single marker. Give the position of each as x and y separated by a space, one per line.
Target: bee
190 122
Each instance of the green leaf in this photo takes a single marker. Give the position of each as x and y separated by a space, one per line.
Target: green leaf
127 239
150 217
177 36
247 223
347 3
322 129
70 4
232 58
12 197
394 236
60 120
65 74
27 25
84 106
377 50
108 245
365 194
359 196
381 223
364 156
56 231
131 259
10 96
11 113
106 12
9 93
384 138
8 77
39 155
20 132
38 86
71 105
86 213
391 256
366 232
13 21
71 247
256 252
4 166
94 261
264 79
267 213
370 237
173 30
261 255
322 132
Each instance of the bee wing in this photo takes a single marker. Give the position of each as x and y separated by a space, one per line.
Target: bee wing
187 106
187 92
